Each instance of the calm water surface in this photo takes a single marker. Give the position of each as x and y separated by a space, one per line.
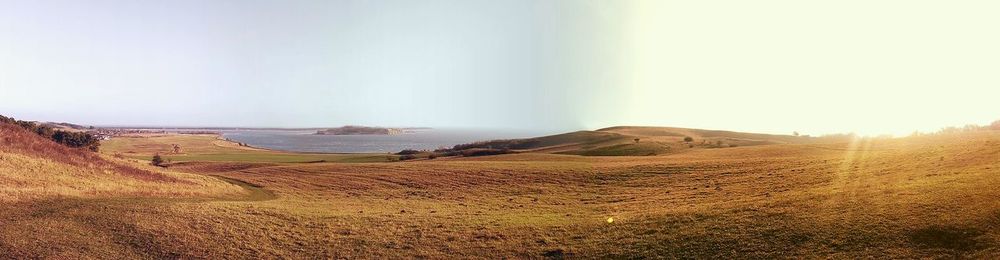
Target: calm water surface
425 139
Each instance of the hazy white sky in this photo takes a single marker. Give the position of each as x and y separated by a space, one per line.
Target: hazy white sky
767 66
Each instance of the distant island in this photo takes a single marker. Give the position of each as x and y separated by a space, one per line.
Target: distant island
360 130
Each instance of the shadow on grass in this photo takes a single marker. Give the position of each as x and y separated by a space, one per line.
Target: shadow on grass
948 237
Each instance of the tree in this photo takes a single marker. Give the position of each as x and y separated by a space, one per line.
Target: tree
688 139
74 139
157 160
795 133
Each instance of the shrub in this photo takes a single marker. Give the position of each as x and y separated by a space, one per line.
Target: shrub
408 152
499 144
432 156
76 139
70 139
688 139
157 160
407 157
484 152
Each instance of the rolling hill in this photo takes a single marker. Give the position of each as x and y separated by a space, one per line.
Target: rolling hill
637 141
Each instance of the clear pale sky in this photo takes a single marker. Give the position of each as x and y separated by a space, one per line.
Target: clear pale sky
816 67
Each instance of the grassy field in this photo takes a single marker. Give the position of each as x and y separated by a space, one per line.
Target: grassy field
919 197
211 148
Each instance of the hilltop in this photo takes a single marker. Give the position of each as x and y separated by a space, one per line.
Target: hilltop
635 141
64 126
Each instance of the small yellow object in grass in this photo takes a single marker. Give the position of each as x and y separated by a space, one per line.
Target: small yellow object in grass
611 219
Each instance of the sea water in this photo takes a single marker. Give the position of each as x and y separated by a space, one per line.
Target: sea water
418 139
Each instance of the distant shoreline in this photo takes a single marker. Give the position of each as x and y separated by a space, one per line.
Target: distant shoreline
220 137
165 128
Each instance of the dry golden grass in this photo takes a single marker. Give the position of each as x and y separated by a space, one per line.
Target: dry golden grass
902 198
25 177
32 167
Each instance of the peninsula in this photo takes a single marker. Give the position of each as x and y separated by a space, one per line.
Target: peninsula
360 130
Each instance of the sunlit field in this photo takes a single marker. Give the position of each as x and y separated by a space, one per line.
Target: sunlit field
499 129
927 196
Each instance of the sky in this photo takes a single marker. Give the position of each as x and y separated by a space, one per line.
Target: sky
816 67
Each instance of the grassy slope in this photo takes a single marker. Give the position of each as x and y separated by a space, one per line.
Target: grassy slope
32 167
676 132
620 141
624 149
556 143
906 198
211 148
